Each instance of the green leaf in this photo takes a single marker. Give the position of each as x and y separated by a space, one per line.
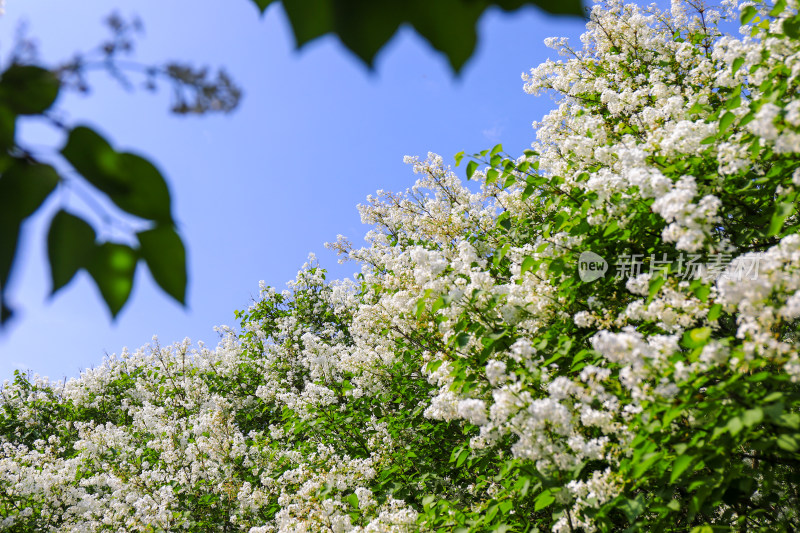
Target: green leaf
654 286
462 457
112 267
644 464
734 102
352 499
751 417
780 5
263 4
771 397
365 26
9 237
28 90
788 443
8 125
700 289
791 27
544 499
790 420
130 181
70 244
748 14
714 312
611 227
523 486
165 255
697 337
462 339
726 120
420 308
6 313
472 166
23 189
496 149
779 216
679 466
735 425
527 264
632 508
458 157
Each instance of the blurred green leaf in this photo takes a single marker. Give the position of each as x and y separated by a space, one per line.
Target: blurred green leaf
462 457
112 267
748 13
130 181
780 5
462 339
679 466
735 425
8 123
527 264
472 166
779 216
654 286
365 26
544 499
352 499
9 236
28 90
754 416
788 442
165 255
263 4
734 102
632 508
726 120
70 245
791 27
5 312
24 187
696 337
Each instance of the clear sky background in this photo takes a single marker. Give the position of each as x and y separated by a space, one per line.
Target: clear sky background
255 191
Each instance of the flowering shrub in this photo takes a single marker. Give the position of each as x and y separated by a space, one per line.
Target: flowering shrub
487 369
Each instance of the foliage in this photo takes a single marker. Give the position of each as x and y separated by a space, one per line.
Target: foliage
28 178
365 26
474 377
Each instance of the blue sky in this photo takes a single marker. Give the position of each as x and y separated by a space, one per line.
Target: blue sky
255 191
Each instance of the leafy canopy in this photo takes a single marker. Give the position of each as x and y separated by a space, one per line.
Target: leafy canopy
29 178
365 26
